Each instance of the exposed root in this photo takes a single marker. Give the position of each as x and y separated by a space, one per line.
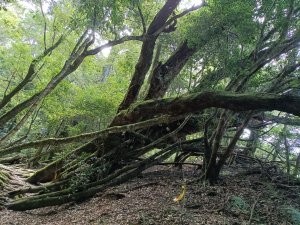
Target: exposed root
84 191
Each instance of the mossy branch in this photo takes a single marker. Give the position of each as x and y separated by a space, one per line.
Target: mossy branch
88 136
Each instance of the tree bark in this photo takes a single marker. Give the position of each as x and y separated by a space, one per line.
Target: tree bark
146 55
164 74
297 166
196 102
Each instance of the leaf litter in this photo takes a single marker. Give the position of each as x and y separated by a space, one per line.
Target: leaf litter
239 198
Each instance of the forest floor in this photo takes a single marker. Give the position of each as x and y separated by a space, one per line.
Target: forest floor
148 199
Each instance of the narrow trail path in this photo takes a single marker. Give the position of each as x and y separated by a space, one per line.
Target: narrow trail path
148 199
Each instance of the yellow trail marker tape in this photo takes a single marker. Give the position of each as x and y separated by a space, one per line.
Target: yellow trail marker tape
181 195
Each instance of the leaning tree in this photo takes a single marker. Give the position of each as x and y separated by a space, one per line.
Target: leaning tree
238 59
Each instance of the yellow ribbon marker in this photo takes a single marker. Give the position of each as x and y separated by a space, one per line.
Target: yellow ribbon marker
181 195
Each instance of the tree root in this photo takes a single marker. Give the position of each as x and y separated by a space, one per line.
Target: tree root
49 172
84 191
4 179
40 189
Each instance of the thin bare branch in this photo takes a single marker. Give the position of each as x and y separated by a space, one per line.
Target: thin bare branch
8 84
142 18
20 124
182 14
113 43
234 140
45 25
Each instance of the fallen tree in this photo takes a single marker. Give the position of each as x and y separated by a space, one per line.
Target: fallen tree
119 162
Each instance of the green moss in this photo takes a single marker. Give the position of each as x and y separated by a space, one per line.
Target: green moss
4 178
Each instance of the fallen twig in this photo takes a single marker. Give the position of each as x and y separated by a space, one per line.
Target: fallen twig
252 208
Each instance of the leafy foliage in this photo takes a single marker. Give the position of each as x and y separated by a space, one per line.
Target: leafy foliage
237 204
295 215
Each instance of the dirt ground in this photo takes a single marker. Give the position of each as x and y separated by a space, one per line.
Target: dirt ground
148 199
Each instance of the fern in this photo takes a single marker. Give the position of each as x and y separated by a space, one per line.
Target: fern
238 204
295 215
